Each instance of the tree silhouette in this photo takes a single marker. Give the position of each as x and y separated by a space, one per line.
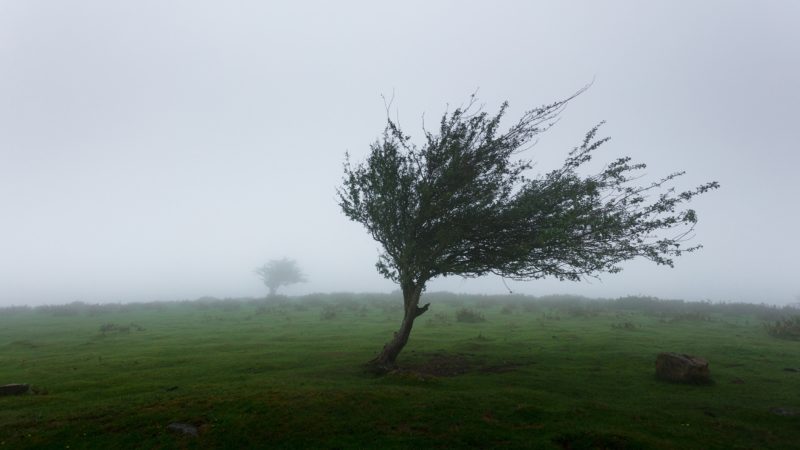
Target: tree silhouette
280 272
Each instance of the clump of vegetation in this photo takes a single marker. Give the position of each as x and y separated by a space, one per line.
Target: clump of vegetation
630 326
786 328
9 310
329 312
530 307
300 307
550 316
508 308
693 316
71 309
486 302
270 309
582 311
465 315
108 328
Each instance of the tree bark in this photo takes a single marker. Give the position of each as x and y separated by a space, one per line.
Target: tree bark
386 360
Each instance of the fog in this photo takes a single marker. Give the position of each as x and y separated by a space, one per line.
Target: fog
158 150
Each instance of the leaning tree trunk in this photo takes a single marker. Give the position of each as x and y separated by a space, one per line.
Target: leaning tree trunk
385 361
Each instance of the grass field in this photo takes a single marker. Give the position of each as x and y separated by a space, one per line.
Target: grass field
287 373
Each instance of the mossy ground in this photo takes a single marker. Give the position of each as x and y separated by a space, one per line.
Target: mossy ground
288 373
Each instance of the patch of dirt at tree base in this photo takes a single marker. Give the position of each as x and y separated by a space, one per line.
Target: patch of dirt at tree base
443 364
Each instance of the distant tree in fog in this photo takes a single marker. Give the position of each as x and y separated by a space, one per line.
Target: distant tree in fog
280 272
462 204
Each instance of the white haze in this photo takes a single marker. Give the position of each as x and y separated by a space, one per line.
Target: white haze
155 150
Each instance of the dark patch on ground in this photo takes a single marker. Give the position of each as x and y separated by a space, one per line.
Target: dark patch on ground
443 364
24 344
730 365
505 366
594 440
256 369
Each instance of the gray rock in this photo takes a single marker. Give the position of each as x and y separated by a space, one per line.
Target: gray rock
682 368
14 389
783 412
183 428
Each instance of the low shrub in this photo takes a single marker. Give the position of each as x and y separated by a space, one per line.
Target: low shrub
465 315
689 317
329 312
630 326
550 316
786 328
508 308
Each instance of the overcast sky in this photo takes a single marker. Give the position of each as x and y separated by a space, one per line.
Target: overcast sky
158 150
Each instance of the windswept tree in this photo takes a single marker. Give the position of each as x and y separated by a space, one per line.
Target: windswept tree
280 272
462 204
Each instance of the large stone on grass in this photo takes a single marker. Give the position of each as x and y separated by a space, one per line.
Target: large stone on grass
14 389
682 368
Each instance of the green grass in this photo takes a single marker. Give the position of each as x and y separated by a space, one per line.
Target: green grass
288 374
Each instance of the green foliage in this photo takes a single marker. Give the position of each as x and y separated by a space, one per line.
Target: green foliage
461 204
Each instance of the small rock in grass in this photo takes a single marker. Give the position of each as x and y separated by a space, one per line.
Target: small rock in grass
791 369
682 368
14 389
183 428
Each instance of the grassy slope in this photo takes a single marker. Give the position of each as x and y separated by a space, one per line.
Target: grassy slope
280 376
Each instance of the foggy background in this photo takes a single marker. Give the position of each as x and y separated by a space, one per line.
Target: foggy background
157 150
